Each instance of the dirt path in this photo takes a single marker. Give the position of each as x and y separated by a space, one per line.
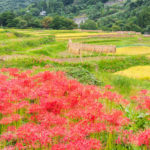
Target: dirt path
60 60
18 39
86 59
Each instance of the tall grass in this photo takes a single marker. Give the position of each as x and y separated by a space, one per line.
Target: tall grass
24 44
10 34
115 65
51 50
119 42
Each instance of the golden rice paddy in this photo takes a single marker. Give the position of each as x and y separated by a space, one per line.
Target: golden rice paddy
81 34
148 56
139 50
138 72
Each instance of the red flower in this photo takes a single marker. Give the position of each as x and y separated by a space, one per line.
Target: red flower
144 138
54 107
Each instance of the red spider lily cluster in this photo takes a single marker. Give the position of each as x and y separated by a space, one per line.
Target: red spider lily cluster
49 111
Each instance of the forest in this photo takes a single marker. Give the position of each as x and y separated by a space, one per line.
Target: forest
107 15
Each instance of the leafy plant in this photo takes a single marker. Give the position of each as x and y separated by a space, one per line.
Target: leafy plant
82 75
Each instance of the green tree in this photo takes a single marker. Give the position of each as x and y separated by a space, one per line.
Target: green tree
143 17
147 29
132 27
6 18
115 27
62 23
46 22
35 11
89 25
67 2
36 23
21 23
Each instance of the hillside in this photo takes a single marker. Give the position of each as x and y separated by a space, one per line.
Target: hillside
13 4
94 9
112 15
133 15
69 7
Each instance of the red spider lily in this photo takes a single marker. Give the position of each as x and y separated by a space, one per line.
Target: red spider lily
147 103
8 120
33 135
108 87
54 107
144 138
3 78
143 100
9 148
125 137
143 92
48 111
82 144
117 118
11 70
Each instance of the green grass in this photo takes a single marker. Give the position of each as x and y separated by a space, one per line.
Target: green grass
23 63
111 65
51 50
10 34
24 44
115 65
123 85
119 42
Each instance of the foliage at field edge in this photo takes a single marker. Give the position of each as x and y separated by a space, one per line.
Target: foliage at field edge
48 111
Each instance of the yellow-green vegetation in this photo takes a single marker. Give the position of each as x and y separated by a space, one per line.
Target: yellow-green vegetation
137 50
78 35
138 72
148 56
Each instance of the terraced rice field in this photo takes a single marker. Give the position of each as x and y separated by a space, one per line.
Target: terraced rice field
138 50
148 56
138 72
